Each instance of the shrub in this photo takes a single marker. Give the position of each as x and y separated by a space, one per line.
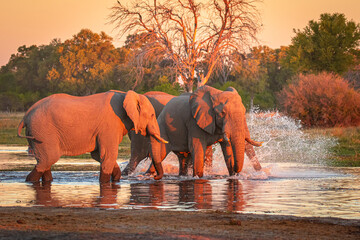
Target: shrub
10 102
167 87
322 100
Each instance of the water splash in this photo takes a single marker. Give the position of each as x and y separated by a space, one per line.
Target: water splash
284 141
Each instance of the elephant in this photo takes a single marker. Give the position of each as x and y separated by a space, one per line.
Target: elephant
179 110
139 143
65 125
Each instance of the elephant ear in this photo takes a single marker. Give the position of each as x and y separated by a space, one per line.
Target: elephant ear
202 108
132 107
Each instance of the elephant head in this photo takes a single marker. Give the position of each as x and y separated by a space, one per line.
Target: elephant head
142 114
223 113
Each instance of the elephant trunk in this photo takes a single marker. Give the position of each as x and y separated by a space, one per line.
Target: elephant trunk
249 149
154 131
155 147
238 148
155 151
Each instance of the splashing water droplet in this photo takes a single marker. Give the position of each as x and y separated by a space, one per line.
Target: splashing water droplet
285 141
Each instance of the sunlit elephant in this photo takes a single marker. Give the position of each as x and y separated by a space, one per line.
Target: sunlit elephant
64 125
192 122
140 144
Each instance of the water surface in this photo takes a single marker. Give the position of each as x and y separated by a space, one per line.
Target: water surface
297 190
294 180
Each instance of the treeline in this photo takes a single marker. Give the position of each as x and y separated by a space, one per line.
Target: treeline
89 63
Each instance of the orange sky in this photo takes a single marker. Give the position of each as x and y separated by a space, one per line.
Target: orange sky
27 22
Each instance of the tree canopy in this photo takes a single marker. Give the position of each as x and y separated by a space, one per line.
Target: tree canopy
192 35
85 62
330 44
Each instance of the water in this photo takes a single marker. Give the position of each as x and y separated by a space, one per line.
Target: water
293 181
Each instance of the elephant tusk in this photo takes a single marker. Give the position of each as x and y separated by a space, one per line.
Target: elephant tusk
254 143
160 139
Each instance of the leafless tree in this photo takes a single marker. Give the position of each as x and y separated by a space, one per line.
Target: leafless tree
192 34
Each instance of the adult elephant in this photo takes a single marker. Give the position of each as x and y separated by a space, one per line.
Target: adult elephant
139 144
64 125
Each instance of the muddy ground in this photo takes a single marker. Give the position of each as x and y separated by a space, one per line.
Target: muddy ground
93 223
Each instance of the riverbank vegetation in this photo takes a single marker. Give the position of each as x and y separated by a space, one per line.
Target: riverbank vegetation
89 63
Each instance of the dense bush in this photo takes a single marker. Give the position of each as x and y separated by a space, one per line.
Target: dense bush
322 100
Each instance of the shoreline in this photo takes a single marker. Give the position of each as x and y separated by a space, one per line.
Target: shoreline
94 223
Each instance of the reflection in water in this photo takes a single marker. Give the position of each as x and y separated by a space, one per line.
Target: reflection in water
285 186
235 197
108 195
43 195
145 194
198 191
318 193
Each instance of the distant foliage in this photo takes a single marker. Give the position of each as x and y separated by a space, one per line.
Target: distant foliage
86 62
330 44
322 100
167 87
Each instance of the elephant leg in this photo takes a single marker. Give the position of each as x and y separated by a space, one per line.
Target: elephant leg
197 151
151 170
228 156
108 149
164 151
133 163
208 157
46 156
34 176
139 151
116 174
47 176
184 159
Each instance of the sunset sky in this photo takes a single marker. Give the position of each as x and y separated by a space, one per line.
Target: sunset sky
25 22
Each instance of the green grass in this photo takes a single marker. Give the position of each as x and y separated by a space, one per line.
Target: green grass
347 151
8 128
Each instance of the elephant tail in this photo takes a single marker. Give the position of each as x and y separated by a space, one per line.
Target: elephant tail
254 143
21 126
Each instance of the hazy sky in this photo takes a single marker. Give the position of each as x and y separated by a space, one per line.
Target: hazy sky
28 22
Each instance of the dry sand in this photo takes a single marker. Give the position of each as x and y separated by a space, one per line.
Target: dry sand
94 223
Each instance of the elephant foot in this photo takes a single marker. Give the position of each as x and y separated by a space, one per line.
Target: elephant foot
34 176
130 168
151 170
116 174
199 174
47 176
104 178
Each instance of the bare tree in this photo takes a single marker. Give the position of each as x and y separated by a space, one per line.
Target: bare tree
193 35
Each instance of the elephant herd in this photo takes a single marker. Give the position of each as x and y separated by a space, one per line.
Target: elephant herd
157 123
